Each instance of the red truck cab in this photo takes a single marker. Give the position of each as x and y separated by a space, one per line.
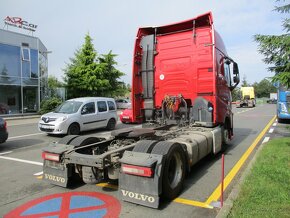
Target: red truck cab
184 67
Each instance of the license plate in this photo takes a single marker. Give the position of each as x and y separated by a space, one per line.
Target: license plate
125 117
45 127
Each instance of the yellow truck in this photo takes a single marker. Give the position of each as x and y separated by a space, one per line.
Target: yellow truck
247 97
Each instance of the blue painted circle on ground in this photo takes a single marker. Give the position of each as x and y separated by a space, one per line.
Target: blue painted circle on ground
71 205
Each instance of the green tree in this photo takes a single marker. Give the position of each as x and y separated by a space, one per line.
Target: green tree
83 76
88 74
276 49
264 88
54 83
245 82
107 65
236 94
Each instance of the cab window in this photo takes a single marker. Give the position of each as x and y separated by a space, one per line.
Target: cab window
88 108
111 106
102 106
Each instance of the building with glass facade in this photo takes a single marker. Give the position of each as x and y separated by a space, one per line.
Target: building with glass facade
23 73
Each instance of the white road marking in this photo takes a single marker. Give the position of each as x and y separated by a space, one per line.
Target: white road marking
266 139
249 109
7 152
271 130
274 124
38 174
23 161
23 136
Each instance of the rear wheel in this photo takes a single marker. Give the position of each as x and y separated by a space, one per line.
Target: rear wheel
174 168
73 129
225 135
111 124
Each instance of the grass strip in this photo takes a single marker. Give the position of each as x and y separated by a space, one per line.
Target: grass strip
266 190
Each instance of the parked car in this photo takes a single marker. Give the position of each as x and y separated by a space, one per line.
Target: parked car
3 130
272 101
80 114
126 116
123 103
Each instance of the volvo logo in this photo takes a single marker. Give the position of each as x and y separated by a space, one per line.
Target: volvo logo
54 178
138 196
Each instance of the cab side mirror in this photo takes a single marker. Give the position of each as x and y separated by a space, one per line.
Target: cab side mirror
236 79
235 69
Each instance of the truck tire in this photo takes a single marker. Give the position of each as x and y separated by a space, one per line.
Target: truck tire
225 136
67 139
144 146
73 129
174 168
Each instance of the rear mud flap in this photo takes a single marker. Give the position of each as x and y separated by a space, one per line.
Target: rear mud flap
59 175
139 189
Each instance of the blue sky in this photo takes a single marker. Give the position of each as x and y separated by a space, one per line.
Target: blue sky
113 25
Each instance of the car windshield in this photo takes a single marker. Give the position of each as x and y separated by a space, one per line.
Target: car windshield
68 107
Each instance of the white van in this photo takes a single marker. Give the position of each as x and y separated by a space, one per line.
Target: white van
80 114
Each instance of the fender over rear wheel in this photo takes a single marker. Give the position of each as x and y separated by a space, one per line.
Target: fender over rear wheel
67 139
174 168
144 146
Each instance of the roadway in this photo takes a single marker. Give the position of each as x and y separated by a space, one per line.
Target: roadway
21 167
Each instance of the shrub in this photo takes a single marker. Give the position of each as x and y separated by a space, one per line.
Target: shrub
49 105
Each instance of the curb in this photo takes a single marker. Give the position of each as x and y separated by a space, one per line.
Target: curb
21 117
228 204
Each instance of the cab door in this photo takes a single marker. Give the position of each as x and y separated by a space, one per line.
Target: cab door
88 116
103 114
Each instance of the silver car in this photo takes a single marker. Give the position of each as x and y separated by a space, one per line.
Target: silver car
80 114
123 103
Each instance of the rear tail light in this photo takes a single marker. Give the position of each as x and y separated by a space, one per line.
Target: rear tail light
5 124
50 156
136 170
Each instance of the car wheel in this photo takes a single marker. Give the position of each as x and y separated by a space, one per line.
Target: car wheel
111 124
73 129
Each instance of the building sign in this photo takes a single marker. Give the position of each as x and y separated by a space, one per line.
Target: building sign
20 23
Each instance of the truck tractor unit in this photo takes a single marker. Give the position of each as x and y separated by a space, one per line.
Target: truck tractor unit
182 80
247 97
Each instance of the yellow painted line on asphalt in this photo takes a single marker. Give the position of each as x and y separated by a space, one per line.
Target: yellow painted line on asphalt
192 203
217 192
177 200
107 185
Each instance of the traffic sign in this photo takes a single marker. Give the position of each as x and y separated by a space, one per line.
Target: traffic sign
69 205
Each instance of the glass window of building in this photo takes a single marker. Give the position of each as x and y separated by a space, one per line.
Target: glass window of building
34 63
23 73
9 63
25 54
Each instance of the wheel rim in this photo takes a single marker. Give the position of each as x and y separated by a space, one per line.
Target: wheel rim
111 124
74 130
175 170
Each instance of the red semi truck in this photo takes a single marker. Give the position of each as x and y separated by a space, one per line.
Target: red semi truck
181 93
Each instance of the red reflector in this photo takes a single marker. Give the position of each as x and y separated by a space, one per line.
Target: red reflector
136 170
50 156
